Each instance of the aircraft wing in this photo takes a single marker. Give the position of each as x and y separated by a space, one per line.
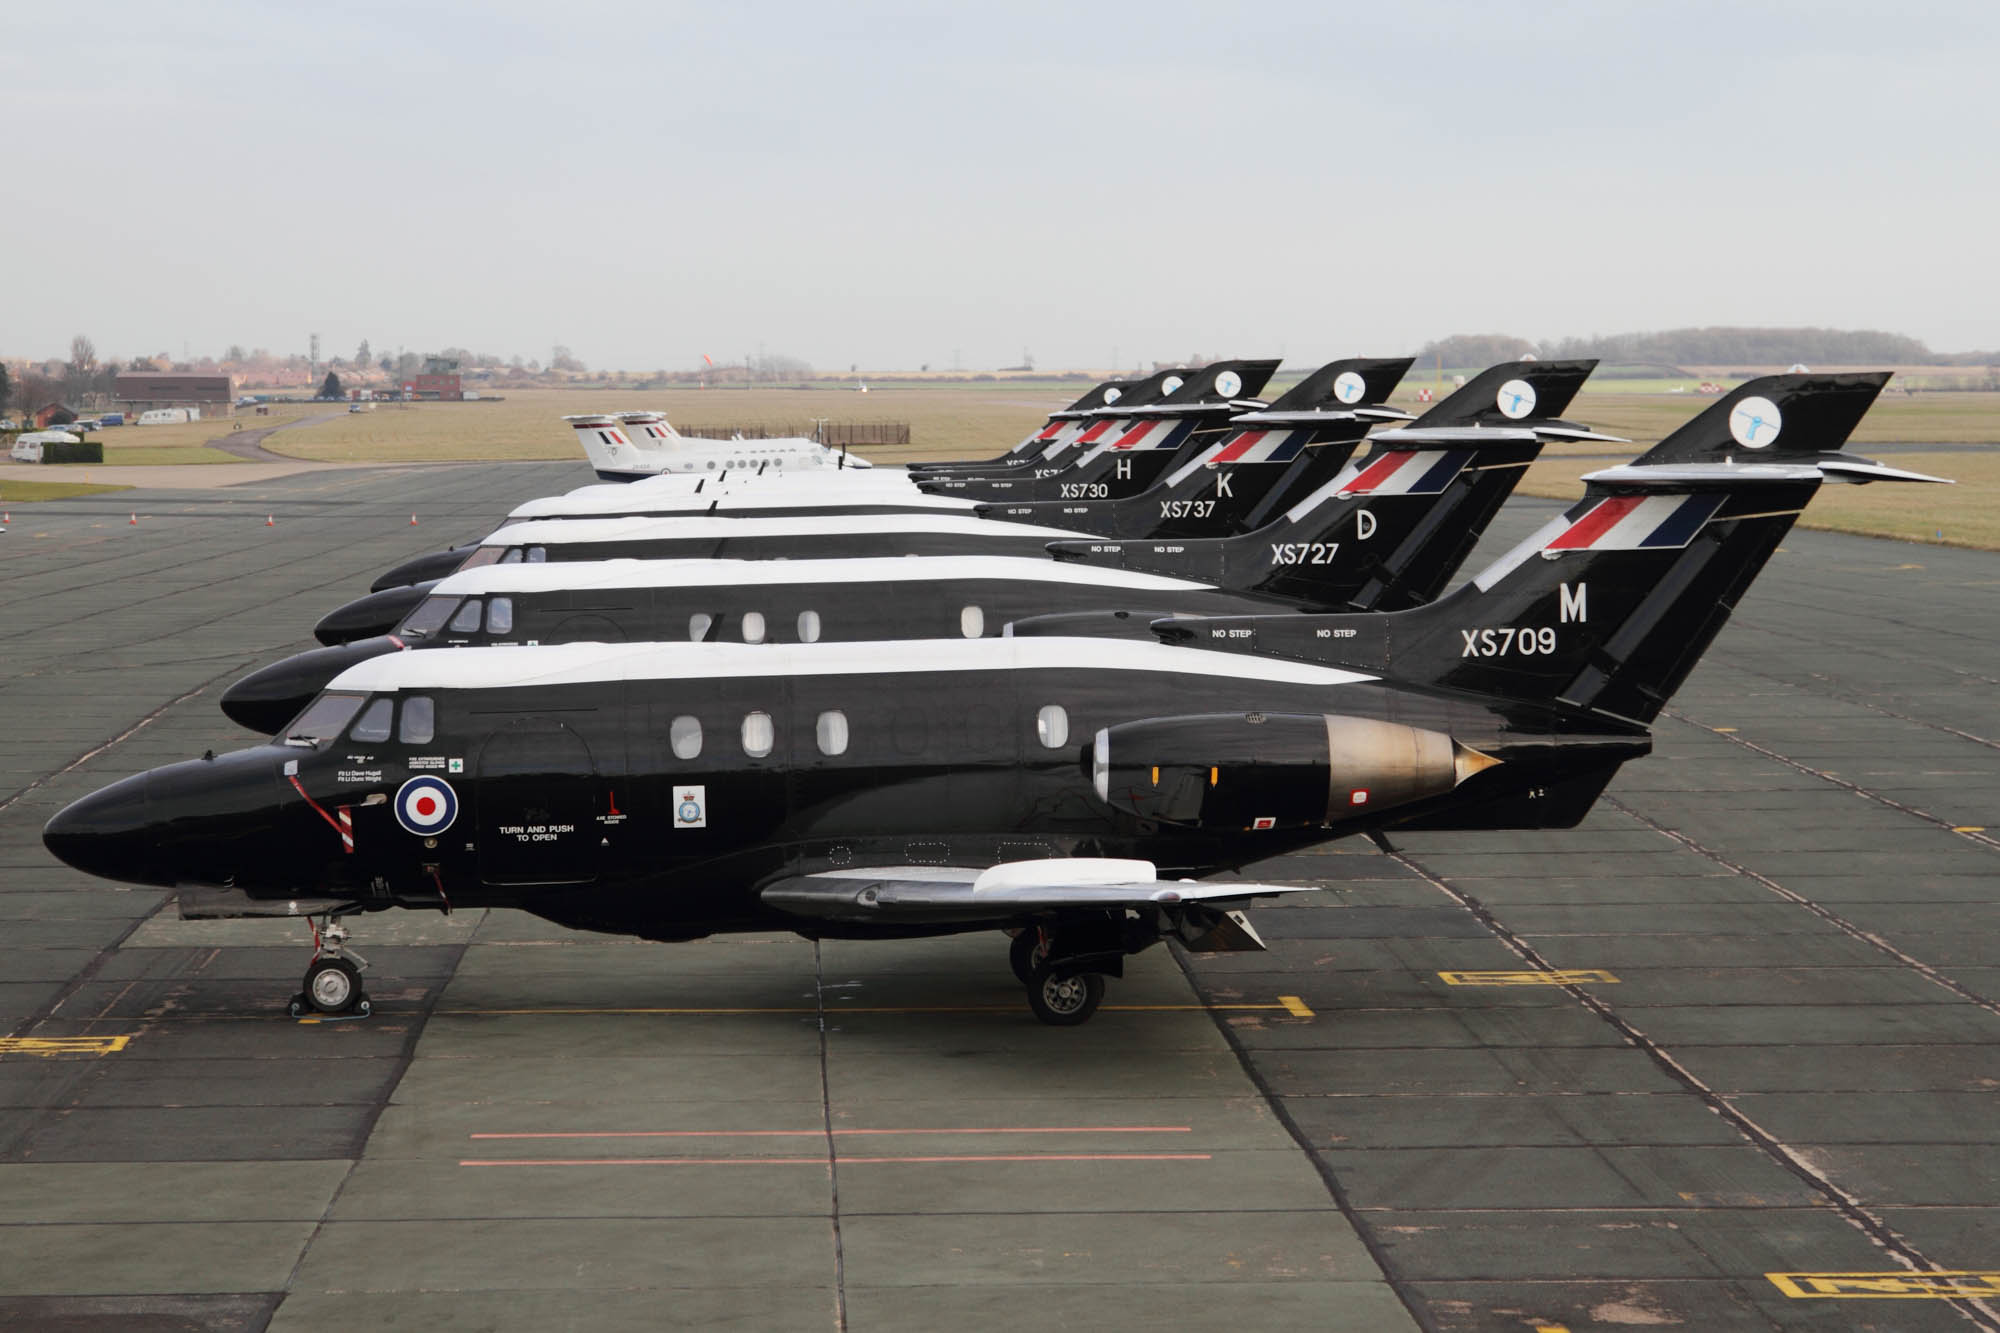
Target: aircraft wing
1009 891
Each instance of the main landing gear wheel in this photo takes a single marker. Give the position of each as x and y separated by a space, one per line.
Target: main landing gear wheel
1027 949
1064 1001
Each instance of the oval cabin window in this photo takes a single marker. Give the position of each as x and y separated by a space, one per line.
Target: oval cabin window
698 626
972 622
753 627
758 734
684 734
831 732
808 627
1052 726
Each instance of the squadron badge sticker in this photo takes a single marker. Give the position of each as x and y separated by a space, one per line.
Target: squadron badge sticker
690 807
426 806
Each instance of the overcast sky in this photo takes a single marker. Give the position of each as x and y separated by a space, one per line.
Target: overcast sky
890 185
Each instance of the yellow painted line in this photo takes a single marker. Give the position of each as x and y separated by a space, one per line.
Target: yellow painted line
1724 731
1900 1286
1573 977
1551 1328
1969 828
1289 1004
62 1045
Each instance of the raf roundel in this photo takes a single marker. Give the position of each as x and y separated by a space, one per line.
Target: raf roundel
426 805
1754 423
1229 384
1516 399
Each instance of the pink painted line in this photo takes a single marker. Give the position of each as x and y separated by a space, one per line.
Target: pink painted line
847 1161
820 1133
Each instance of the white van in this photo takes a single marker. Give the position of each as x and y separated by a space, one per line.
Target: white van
28 448
168 416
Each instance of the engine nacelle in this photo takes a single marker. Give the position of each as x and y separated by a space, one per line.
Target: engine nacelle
1272 770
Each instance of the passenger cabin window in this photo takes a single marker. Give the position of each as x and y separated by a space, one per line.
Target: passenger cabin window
428 618
500 616
374 722
753 627
1052 726
684 735
972 622
323 720
467 619
698 626
831 732
419 721
808 627
758 734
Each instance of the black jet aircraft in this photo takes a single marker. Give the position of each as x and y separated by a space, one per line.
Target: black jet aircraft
1392 540
1063 789
1464 492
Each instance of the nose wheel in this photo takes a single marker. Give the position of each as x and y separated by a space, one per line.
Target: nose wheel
332 984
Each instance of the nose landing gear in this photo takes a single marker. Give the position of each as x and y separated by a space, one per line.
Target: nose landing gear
333 979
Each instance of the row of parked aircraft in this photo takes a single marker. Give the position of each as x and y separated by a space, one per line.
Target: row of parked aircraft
1067 693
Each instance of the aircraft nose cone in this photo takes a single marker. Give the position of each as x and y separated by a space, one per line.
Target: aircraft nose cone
423 568
377 613
269 697
108 833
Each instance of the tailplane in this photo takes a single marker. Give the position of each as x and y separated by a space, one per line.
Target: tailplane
1606 609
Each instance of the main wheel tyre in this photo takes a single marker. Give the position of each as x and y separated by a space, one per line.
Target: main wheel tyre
333 985
1024 953
1064 1001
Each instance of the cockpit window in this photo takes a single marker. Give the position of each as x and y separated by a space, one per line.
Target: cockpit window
323 720
513 557
500 616
538 555
467 619
374 722
485 555
428 618
419 720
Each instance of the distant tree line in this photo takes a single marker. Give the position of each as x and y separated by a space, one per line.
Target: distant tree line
1706 347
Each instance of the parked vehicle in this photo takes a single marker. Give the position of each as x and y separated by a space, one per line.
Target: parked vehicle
28 448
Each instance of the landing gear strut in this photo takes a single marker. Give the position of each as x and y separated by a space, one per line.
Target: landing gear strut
333 978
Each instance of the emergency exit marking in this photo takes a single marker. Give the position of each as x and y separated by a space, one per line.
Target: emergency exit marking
62 1045
1573 977
1899 1286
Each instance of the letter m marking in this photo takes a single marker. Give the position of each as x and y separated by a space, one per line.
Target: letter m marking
1573 606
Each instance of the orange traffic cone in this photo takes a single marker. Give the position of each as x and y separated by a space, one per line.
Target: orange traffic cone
270 522
413 520
135 520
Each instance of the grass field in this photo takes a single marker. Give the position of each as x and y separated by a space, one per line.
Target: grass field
28 492
128 455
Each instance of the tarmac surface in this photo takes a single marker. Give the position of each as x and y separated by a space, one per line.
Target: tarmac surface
1723 1057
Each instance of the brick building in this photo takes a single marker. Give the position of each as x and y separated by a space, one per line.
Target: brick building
143 390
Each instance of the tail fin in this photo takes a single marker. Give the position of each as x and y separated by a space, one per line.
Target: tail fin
1063 424
649 430
1412 508
609 448
1607 608
1511 393
1351 384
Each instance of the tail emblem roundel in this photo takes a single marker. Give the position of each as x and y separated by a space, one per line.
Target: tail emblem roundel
1229 384
1348 387
1516 399
426 805
1755 423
